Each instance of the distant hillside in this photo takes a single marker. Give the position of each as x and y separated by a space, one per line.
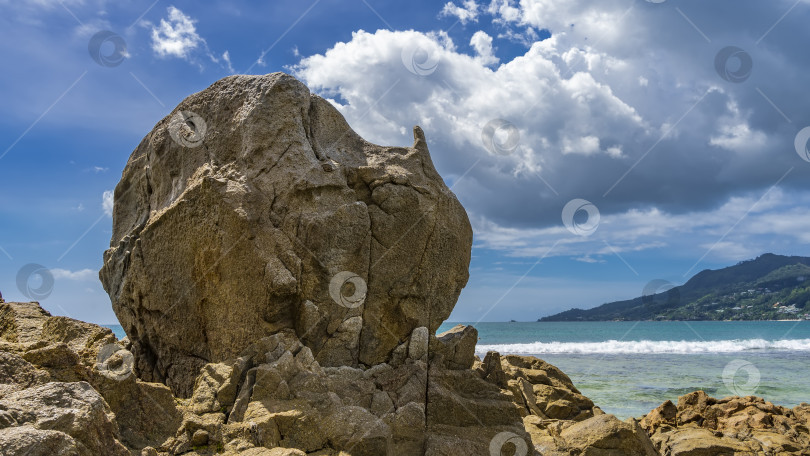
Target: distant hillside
770 287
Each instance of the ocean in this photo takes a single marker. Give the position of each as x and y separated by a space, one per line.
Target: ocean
117 330
629 368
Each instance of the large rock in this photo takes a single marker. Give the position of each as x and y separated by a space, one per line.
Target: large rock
605 435
253 207
536 387
74 409
277 395
17 374
702 425
455 348
37 349
21 322
468 415
30 441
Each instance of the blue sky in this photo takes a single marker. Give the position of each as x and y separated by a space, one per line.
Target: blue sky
676 121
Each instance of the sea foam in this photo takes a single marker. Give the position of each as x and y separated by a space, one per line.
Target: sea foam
649 346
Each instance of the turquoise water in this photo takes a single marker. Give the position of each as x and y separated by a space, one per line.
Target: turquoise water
117 330
628 368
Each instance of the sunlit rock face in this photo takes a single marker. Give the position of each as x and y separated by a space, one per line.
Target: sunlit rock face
254 208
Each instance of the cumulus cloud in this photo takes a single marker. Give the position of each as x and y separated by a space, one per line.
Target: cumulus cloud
175 36
622 106
466 12
504 10
107 202
550 113
482 43
82 274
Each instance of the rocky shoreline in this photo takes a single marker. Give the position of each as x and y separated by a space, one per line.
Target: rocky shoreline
67 388
281 281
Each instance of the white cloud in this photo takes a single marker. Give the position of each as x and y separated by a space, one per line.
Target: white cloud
226 56
504 10
672 155
585 145
107 202
588 259
742 228
615 151
736 134
467 12
739 137
482 43
82 274
530 91
175 37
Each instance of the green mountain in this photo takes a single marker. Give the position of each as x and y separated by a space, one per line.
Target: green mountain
770 287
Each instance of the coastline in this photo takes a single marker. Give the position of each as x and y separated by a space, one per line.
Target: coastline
551 412
659 361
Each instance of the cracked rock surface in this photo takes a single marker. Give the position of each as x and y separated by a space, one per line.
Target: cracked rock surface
237 213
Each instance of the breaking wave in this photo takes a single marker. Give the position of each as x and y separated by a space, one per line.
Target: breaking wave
649 346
